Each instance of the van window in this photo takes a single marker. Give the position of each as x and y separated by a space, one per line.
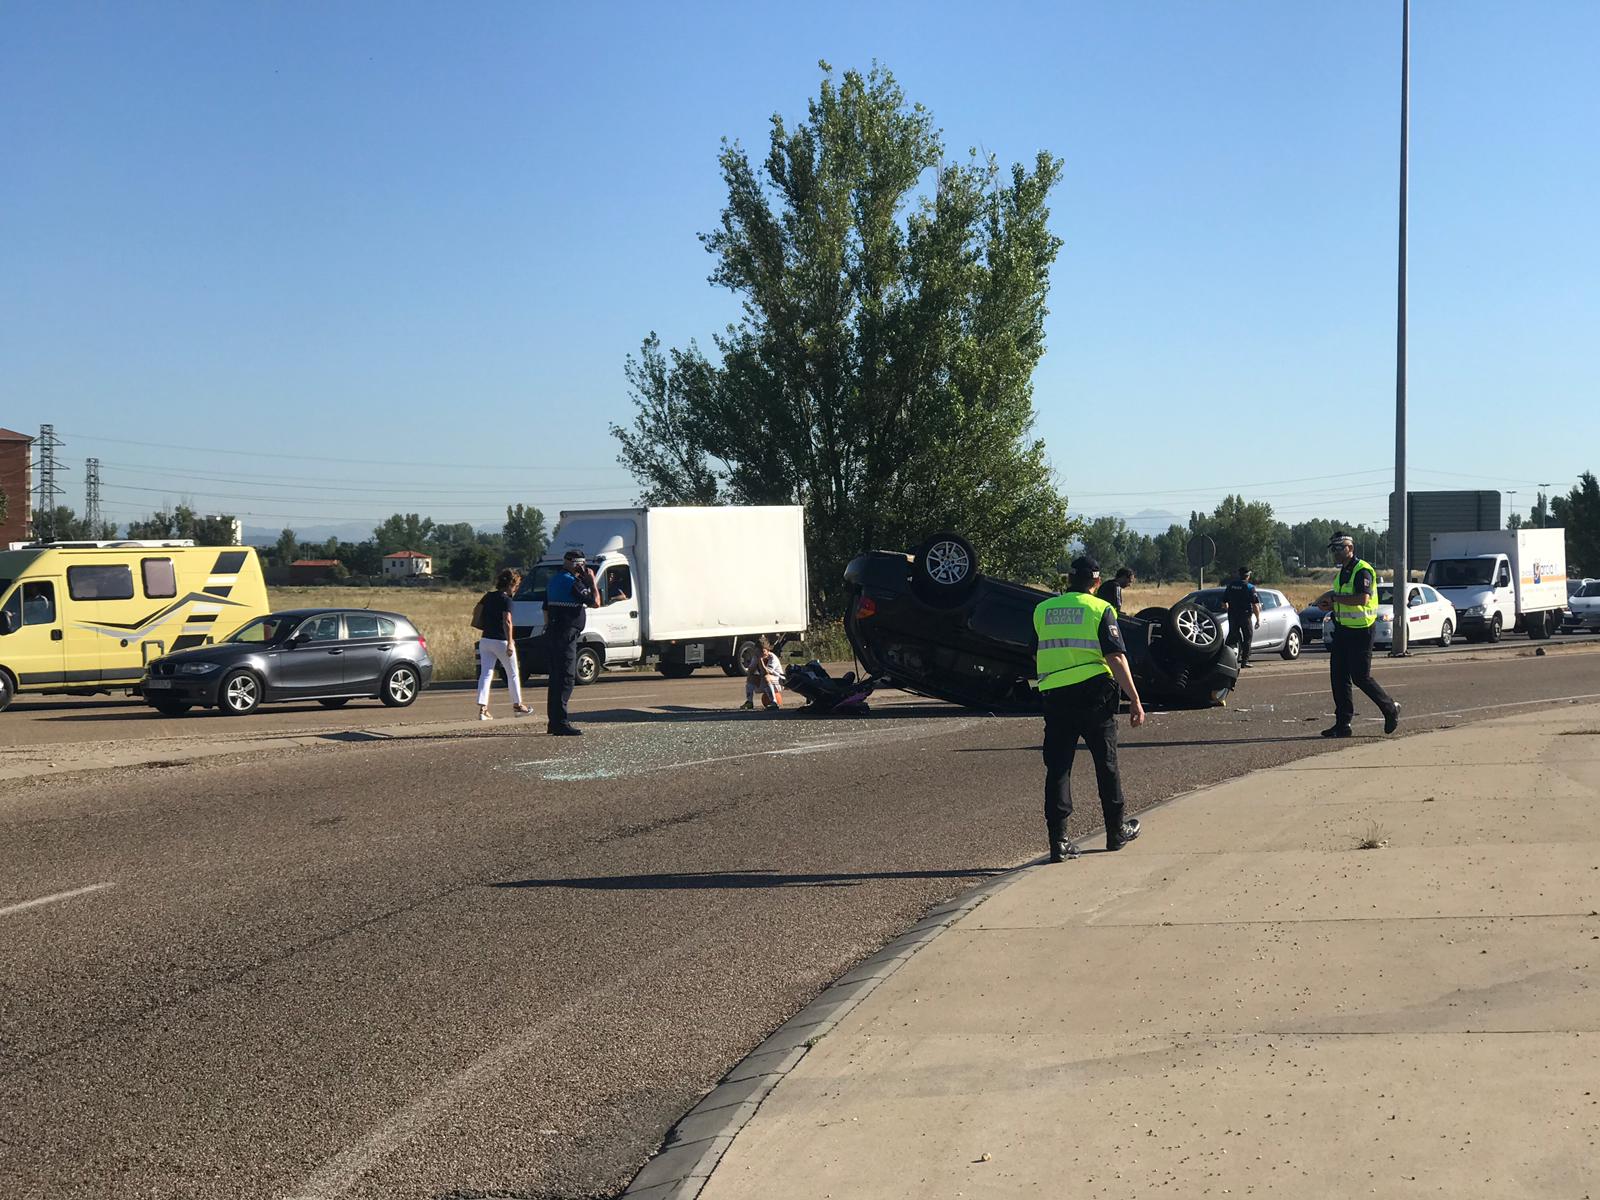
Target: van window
39 603
108 582
160 580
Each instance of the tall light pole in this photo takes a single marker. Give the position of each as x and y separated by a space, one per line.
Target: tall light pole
1398 647
1544 503
1512 492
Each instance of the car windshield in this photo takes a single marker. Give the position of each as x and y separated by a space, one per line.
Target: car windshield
1589 589
262 630
1460 572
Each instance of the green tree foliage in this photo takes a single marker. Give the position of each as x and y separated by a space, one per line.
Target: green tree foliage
403 531
185 522
524 535
1244 532
286 549
1578 512
894 310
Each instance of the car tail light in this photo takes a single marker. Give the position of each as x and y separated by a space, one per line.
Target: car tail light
422 641
866 607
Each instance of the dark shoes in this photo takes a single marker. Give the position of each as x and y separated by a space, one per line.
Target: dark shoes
1337 731
1063 850
1129 831
565 731
1391 719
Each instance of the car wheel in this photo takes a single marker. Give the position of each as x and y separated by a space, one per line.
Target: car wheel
1195 632
240 694
1154 614
400 686
676 670
945 570
334 702
1495 627
1291 645
8 690
171 708
590 664
1447 633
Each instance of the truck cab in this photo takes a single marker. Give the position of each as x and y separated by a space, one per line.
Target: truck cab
611 635
1480 587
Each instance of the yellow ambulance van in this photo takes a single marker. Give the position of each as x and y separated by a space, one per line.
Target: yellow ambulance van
85 617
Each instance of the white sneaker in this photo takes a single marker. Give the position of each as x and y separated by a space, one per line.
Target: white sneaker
484 715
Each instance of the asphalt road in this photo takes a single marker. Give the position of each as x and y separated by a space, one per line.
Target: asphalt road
502 965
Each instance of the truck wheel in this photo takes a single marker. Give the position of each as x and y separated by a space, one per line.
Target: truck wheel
1446 633
590 664
743 657
676 670
1539 626
8 689
1194 633
945 570
1495 626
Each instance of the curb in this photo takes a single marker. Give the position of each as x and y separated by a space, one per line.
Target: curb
695 1145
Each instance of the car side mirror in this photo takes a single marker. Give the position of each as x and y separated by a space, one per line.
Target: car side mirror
8 622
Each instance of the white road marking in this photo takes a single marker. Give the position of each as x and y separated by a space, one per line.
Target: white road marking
808 748
1323 691
26 904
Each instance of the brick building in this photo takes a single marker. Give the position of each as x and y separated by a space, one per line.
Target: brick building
16 481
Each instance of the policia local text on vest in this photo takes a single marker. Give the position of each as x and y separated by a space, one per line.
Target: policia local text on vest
1353 600
1081 662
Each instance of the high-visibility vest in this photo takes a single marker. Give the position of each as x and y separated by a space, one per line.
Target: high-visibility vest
1068 628
1347 610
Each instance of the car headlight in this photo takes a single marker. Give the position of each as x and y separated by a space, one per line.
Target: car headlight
1475 610
199 668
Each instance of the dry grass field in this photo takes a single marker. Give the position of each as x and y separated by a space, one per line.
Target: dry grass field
443 616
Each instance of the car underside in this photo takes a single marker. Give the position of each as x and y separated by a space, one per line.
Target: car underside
929 622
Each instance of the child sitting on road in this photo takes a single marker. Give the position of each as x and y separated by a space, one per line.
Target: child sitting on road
765 672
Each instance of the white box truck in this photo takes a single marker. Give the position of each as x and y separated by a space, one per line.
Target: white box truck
1499 579
680 587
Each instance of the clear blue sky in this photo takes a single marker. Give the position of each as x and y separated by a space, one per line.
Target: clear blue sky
410 233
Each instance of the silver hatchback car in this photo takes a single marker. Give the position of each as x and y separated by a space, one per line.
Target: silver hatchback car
330 655
1280 627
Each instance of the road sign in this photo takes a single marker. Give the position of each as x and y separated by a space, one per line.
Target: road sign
1202 552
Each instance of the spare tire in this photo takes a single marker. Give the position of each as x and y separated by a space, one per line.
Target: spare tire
944 570
1193 632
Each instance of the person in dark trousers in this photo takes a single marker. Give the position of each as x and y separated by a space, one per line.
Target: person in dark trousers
1081 664
1353 600
1111 590
1244 614
571 594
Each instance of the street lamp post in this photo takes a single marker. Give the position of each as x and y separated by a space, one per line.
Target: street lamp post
1511 521
1544 503
1400 637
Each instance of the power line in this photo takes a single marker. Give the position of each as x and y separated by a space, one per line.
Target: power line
369 462
381 487
44 513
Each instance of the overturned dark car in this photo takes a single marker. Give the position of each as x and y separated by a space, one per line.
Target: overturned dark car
929 622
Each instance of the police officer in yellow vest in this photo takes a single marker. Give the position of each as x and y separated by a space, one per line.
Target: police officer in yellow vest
1081 663
1353 600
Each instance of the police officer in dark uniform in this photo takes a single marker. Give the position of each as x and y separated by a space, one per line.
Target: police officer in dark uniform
1082 662
571 592
1244 614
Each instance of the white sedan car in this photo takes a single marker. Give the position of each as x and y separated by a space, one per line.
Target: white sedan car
1429 617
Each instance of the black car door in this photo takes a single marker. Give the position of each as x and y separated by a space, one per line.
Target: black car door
312 662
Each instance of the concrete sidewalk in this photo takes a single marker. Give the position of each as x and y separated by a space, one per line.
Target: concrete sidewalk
1245 1002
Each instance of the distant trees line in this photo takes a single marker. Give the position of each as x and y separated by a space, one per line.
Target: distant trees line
460 553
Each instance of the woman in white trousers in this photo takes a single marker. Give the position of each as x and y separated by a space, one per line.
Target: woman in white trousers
498 645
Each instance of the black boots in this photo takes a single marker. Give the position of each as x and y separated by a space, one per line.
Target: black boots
1391 719
1337 731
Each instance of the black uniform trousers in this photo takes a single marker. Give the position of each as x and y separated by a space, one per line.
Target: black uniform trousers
562 629
1241 632
1350 661
1088 711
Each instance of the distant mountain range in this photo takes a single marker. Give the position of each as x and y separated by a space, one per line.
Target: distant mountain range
1149 521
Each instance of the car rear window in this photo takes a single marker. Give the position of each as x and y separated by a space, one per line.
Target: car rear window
361 625
112 581
385 627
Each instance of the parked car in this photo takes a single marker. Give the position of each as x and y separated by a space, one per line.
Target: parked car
329 655
1583 609
1311 618
1280 625
929 622
1429 617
